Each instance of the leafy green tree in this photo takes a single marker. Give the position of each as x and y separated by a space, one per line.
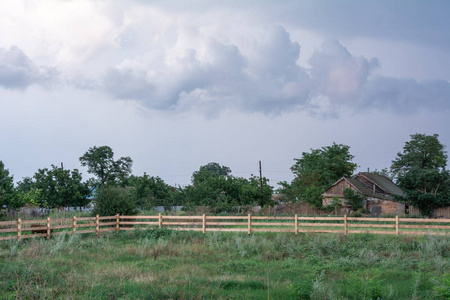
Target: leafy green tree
100 162
25 185
353 199
420 171
211 169
149 191
221 191
315 171
110 201
6 185
60 188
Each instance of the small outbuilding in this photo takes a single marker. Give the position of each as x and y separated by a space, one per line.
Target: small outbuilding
379 194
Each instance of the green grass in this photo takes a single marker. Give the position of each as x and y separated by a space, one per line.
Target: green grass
164 264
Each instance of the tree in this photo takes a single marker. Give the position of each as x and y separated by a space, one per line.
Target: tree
420 171
211 169
100 162
315 171
354 199
6 186
214 187
149 191
110 201
60 188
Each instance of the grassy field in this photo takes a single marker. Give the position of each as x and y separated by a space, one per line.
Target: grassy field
164 264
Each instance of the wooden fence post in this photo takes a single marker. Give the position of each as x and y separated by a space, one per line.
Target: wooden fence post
159 220
48 228
204 223
19 228
345 225
249 223
74 227
117 222
396 225
96 225
296 224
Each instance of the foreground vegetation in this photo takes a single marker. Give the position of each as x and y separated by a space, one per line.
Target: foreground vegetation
164 264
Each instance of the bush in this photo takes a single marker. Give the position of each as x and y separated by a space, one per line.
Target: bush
114 200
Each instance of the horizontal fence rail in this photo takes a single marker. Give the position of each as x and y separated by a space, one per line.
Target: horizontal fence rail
22 229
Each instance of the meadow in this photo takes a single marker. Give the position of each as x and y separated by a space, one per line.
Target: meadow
165 264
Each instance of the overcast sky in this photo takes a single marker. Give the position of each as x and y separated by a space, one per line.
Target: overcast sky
178 84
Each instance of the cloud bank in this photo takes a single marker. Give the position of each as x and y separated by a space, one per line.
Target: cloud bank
211 58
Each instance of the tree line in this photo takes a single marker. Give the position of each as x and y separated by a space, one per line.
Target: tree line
420 170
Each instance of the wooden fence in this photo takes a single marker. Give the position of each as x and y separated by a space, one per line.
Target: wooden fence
21 229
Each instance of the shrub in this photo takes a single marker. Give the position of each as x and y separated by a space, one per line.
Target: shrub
114 200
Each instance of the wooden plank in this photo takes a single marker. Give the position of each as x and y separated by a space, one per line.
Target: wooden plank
272 218
97 227
321 230
296 224
9 237
371 225
138 217
4 223
159 220
225 223
321 218
321 224
426 226
425 220
87 219
8 230
184 223
225 218
33 228
107 218
272 230
371 219
49 230
396 225
183 217
271 224
138 223
249 223
204 223
19 229
74 224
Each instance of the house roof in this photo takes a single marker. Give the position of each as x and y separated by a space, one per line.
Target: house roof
383 182
390 189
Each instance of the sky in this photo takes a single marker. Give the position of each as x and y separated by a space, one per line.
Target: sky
178 84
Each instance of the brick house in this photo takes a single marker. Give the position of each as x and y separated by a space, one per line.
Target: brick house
378 192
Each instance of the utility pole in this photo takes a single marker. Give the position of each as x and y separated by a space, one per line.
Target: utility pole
62 166
260 184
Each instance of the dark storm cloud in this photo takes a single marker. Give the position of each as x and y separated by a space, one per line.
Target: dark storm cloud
404 95
17 71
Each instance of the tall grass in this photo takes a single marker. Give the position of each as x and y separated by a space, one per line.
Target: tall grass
165 264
